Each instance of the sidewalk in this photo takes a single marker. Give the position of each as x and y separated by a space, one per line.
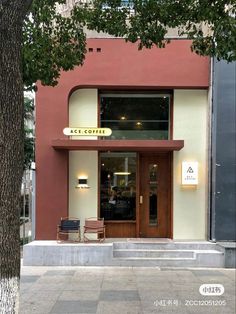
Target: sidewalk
123 290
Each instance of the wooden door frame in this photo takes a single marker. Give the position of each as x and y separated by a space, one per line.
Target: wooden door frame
138 195
170 190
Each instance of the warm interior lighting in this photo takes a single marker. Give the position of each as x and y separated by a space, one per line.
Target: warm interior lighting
122 173
123 118
139 123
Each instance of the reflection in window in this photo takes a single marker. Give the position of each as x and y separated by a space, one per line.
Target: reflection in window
153 194
136 116
118 186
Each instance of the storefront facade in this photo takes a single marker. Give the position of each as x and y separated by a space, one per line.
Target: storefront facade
155 102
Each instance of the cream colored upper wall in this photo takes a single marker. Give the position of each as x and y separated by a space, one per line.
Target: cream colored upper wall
83 110
83 203
190 123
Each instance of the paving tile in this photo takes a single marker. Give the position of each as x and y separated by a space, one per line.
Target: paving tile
25 287
88 275
59 273
156 277
89 272
121 270
119 295
88 278
212 279
188 286
183 276
33 271
28 279
121 276
229 289
152 295
36 307
229 273
83 285
37 295
154 288
119 284
131 307
79 295
206 272
152 281
147 270
44 280
49 286
119 290
62 307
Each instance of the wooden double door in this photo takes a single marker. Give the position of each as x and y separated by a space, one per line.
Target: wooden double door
155 196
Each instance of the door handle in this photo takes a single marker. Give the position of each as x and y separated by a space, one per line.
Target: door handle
140 199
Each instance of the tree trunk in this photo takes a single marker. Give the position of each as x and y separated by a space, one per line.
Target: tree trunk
11 149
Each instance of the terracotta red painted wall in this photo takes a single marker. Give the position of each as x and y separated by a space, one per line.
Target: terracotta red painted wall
118 65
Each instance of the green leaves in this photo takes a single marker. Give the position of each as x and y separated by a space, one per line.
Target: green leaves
28 131
210 24
51 43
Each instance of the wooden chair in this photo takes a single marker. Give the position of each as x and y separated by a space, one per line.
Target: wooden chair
94 225
69 225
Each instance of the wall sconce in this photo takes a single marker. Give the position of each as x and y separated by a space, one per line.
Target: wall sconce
82 183
189 173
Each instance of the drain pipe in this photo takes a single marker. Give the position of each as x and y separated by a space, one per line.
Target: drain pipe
211 157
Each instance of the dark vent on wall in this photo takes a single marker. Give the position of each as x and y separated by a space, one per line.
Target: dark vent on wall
93 49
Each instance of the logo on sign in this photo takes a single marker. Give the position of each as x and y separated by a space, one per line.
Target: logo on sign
190 170
189 173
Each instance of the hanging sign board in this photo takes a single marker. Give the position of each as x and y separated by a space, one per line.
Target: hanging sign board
189 173
87 131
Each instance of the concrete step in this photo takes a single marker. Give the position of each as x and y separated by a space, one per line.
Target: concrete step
201 258
153 253
154 262
168 254
202 245
51 253
210 258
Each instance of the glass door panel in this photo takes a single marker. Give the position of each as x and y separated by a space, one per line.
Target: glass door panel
153 192
118 186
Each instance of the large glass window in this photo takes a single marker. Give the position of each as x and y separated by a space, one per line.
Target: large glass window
118 186
136 116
